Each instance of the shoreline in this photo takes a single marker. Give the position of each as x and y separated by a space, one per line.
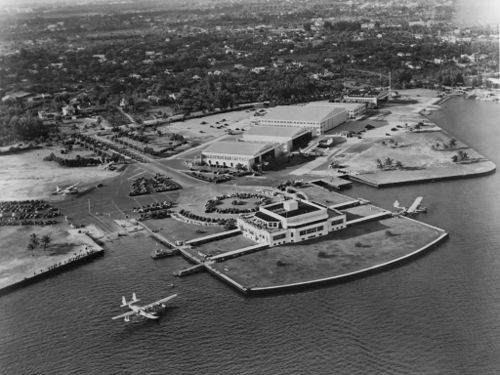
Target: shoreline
349 276
83 256
417 180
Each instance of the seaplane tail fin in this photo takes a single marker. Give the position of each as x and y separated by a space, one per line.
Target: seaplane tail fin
396 204
124 302
58 189
134 298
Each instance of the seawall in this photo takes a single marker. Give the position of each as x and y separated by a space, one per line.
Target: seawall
333 279
84 258
420 180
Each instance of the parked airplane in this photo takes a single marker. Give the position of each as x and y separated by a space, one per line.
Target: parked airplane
72 189
148 311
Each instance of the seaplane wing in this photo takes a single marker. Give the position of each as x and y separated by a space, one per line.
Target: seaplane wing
124 315
159 302
414 206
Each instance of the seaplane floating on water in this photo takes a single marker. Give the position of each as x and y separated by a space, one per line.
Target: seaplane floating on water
415 208
148 311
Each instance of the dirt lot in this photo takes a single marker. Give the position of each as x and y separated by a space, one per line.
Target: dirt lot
27 176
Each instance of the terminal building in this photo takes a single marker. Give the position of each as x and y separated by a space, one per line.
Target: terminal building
293 220
231 153
319 118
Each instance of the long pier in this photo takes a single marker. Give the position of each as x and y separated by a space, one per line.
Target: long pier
378 216
190 270
213 237
239 252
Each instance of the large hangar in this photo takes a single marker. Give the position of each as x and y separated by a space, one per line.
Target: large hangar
318 118
287 138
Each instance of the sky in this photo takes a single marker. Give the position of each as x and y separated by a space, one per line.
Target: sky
469 12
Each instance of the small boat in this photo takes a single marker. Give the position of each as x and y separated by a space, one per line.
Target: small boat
162 253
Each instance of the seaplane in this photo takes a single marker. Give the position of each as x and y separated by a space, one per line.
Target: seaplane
415 208
72 189
147 311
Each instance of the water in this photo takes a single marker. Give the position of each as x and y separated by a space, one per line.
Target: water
439 314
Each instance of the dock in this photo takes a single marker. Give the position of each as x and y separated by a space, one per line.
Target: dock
379 216
239 252
190 270
213 237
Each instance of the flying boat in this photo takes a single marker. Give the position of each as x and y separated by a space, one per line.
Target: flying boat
147 311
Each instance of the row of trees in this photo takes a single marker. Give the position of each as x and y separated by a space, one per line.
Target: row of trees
389 163
18 125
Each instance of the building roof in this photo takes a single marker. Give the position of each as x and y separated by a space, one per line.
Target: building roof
303 207
276 131
265 217
238 148
309 112
346 106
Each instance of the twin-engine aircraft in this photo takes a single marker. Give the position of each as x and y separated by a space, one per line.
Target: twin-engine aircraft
148 311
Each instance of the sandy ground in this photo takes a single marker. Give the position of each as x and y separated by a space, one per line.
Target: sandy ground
17 262
27 176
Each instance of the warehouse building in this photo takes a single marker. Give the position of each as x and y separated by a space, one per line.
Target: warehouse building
318 118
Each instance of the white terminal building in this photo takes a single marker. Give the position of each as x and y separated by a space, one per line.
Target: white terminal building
293 220
319 118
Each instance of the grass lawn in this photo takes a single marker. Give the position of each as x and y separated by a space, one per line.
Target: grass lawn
355 248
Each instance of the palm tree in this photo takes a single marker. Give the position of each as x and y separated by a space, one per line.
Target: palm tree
45 241
34 240
31 247
388 161
452 143
380 165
